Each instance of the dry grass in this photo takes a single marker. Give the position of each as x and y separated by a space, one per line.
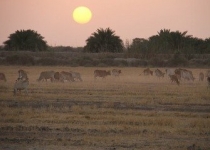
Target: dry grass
129 112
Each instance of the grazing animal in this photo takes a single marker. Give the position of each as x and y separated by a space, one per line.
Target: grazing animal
201 76
187 75
174 79
76 75
101 73
21 85
184 74
57 76
116 72
148 72
191 147
22 75
3 77
208 80
170 71
178 73
66 76
208 73
159 73
46 75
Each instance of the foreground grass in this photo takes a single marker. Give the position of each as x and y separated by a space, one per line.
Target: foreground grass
129 112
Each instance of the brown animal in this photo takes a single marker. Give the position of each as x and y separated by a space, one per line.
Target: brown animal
178 73
3 77
174 78
101 73
191 147
46 75
67 76
22 75
208 80
201 76
148 72
159 73
208 73
58 77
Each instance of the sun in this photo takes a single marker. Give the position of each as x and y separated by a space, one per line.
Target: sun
82 15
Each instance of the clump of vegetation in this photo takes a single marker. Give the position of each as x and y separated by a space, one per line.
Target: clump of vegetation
20 59
178 60
104 40
165 49
25 40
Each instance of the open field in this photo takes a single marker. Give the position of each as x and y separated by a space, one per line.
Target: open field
129 112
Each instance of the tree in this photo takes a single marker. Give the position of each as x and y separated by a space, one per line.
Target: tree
140 46
207 45
104 40
25 40
164 40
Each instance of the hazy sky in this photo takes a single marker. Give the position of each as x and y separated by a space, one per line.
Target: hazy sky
128 18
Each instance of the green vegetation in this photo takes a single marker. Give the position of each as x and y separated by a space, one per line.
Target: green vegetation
104 48
28 40
104 40
169 42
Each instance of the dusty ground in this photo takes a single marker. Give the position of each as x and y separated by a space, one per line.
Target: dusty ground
130 112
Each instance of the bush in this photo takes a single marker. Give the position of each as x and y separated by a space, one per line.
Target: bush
22 59
157 62
121 63
102 65
52 61
139 63
177 60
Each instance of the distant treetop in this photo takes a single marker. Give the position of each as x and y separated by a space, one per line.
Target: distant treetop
104 40
25 40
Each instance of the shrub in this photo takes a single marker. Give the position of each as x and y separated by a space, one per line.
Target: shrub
139 63
121 63
102 65
158 62
177 60
20 59
52 61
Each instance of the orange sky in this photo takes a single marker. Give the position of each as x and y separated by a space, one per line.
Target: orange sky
128 18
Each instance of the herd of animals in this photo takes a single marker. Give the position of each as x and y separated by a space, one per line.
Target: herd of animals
175 75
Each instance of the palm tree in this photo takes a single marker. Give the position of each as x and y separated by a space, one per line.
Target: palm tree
104 40
164 40
179 40
25 40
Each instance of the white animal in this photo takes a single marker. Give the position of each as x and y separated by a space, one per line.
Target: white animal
201 76
170 71
116 72
187 75
21 85
76 75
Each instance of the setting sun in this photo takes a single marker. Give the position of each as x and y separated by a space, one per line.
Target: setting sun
82 15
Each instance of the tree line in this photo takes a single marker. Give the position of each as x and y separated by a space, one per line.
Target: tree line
105 40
